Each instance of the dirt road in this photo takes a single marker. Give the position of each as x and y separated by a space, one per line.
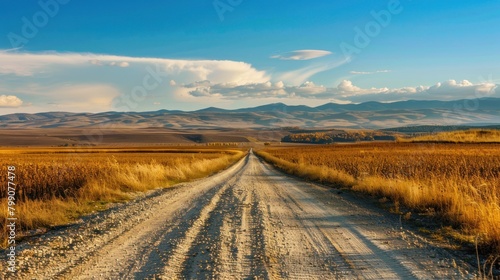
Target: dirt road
248 222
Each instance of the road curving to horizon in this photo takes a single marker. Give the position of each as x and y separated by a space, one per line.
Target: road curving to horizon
247 222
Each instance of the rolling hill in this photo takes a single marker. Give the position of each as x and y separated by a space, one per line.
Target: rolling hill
369 115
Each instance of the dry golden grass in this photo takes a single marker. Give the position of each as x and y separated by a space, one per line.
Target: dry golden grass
464 136
458 182
54 186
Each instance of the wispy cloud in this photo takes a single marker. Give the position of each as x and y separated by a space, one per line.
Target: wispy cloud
302 55
301 75
369 73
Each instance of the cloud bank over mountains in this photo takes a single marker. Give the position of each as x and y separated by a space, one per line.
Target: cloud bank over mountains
49 81
345 92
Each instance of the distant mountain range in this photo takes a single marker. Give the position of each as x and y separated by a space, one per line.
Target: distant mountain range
371 115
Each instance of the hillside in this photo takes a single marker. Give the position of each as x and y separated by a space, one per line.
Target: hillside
369 115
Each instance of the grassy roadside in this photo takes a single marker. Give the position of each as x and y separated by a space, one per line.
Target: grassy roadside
470 207
81 189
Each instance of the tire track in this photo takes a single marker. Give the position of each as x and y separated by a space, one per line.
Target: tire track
230 220
176 265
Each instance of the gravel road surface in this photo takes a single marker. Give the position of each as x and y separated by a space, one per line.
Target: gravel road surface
247 222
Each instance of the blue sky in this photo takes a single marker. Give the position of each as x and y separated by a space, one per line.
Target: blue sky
67 55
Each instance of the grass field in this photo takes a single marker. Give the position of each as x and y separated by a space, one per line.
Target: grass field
460 183
57 185
463 136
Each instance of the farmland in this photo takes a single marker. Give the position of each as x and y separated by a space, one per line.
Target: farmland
458 183
57 185
465 136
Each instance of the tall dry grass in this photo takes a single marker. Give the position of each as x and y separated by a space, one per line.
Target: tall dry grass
463 136
459 183
56 188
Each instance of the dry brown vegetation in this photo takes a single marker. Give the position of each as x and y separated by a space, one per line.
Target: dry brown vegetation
463 136
457 182
337 136
54 186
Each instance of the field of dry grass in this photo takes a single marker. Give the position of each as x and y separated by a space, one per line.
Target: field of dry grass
55 186
459 183
463 136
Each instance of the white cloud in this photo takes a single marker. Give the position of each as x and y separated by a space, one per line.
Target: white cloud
302 55
369 73
346 87
98 62
346 91
10 101
29 64
95 62
122 64
452 89
255 90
